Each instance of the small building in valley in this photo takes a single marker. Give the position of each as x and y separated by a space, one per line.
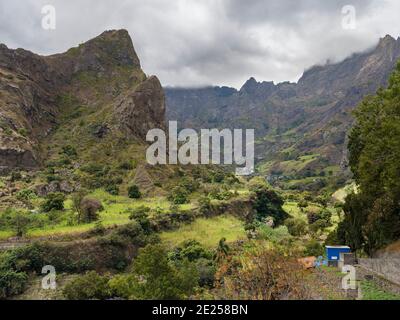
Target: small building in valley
333 254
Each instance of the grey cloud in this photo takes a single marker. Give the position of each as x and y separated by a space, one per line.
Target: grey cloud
200 42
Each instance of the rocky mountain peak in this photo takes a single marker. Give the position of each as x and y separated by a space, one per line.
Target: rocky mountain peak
386 40
258 89
114 46
101 75
103 53
250 85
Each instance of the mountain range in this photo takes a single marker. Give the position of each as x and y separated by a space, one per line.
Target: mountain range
302 127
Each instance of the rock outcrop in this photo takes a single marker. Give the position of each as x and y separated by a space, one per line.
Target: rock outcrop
103 71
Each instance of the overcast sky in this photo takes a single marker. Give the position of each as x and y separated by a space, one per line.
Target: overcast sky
202 42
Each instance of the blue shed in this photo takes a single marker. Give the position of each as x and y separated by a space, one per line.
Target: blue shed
333 253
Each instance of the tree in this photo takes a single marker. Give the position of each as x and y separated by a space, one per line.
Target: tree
77 198
154 278
20 223
134 192
267 203
90 209
371 216
54 201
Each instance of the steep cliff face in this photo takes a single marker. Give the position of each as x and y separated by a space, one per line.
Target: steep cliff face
292 120
101 77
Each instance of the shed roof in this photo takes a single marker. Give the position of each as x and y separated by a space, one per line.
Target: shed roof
337 247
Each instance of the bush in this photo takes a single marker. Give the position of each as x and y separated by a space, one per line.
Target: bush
26 195
16 176
302 204
178 195
277 235
88 287
206 270
262 275
20 224
134 192
191 250
16 220
98 230
320 220
69 151
296 227
133 233
140 215
205 205
314 248
154 278
112 189
125 166
190 185
12 283
54 201
218 177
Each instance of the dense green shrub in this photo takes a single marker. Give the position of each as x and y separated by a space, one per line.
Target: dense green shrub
134 192
54 201
314 248
112 189
319 220
125 166
140 214
90 286
189 184
205 206
154 278
296 227
25 195
191 250
179 195
18 221
206 270
12 283
278 235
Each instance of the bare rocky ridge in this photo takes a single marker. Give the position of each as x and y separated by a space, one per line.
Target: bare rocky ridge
103 72
312 116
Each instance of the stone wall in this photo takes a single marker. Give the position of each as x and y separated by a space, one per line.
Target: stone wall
389 268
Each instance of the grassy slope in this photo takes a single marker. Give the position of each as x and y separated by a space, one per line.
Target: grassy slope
207 231
115 213
371 291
